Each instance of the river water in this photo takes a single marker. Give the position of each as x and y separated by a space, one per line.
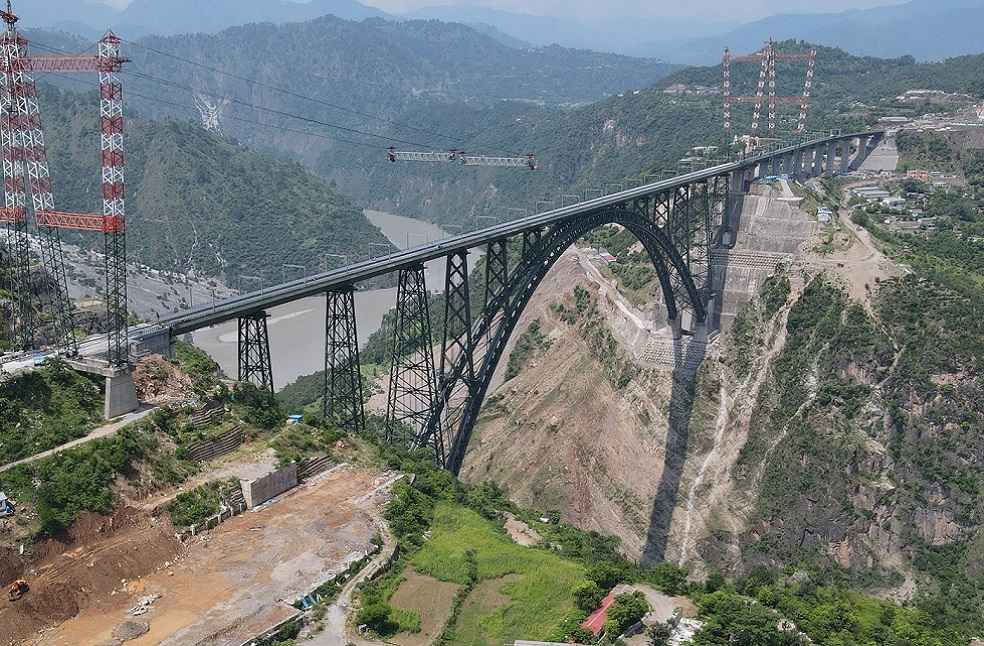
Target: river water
297 330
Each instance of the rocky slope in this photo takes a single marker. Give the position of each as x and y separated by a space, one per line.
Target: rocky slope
835 425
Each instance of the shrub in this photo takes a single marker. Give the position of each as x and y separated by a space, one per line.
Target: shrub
626 610
260 407
588 596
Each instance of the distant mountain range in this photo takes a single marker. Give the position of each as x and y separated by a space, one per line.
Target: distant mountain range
925 29
144 17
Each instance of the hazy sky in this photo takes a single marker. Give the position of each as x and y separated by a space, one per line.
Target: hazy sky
592 8
587 9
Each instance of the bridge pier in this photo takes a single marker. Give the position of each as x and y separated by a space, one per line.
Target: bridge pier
789 164
412 385
862 153
676 326
254 351
828 168
343 400
845 160
160 342
815 162
120 392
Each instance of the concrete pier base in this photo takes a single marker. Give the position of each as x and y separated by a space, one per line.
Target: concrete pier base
676 325
121 395
160 343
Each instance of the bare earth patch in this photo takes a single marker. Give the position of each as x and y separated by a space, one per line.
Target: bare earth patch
521 533
234 582
484 599
429 598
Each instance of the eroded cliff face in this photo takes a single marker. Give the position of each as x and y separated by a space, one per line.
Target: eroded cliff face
832 424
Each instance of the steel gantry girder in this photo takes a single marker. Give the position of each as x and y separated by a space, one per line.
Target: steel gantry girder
412 384
254 351
343 401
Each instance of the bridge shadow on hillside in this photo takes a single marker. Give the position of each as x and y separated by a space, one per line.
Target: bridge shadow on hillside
688 356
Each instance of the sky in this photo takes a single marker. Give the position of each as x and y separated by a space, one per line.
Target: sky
586 9
592 9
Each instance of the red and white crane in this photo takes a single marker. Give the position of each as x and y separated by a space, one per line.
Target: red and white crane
26 170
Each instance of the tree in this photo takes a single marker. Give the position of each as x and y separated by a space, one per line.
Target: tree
606 575
261 408
626 610
660 633
376 615
588 596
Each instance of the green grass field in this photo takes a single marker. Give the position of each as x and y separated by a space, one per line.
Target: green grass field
534 600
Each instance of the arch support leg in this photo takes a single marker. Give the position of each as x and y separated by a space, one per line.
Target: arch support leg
254 351
412 386
343 379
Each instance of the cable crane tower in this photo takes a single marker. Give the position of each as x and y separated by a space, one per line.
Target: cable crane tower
527 161
26 170
211 113
766 59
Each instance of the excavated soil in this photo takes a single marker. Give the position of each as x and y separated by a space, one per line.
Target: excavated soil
158 381
85 568
229 585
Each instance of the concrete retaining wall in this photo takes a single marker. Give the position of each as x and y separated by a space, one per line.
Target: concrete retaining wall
218 446
259 491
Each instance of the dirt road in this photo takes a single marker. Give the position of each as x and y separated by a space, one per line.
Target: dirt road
97 433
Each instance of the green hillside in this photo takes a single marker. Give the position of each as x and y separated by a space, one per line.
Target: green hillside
200 202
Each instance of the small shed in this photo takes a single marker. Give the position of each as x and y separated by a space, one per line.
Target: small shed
6 506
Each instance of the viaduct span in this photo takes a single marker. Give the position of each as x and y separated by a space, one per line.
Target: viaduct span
434 401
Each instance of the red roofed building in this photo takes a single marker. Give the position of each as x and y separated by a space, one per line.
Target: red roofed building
596 622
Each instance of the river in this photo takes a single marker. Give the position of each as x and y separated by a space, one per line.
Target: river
297 330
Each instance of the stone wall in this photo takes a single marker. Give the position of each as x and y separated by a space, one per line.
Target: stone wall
269 486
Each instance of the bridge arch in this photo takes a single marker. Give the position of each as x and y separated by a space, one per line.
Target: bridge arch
666 260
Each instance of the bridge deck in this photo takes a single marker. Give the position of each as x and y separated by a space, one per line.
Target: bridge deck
312 285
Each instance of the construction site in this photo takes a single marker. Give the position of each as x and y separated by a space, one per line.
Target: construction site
130 578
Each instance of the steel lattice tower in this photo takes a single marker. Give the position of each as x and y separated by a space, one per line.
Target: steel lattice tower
412 389
25 169
766 92
343 378
254 351
114 203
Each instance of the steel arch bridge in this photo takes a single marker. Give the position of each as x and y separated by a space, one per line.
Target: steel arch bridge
437 386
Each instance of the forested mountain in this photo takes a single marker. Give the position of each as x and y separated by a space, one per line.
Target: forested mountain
381 66
143 17
198 202
438 86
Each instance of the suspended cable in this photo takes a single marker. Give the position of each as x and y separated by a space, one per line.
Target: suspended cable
154 100
282 90
244 103
281 113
